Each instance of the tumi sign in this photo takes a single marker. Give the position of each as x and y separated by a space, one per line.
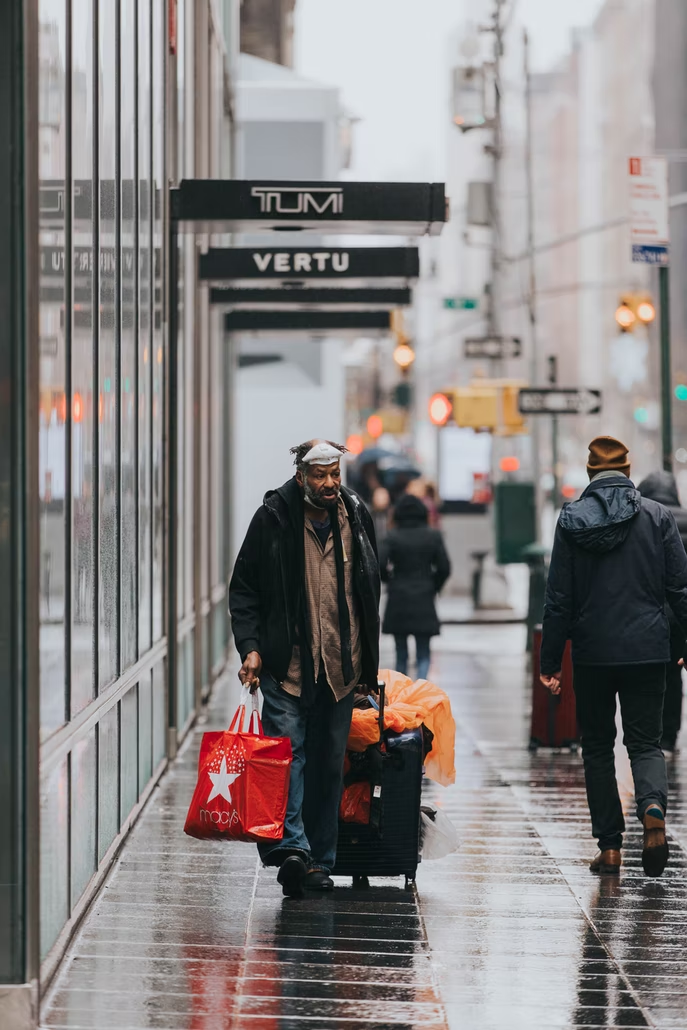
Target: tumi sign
244 205
294 200
301 263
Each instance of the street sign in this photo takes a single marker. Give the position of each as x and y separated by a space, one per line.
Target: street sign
461 303
247 205
499 347
649 224
559 401
394 265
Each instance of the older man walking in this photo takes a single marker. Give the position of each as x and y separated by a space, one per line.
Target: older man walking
617 558
304 601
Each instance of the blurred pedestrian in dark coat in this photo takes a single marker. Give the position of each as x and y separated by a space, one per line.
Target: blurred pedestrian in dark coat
415 564
617 559
661 486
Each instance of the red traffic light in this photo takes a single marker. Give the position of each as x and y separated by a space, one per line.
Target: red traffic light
375 426
440 409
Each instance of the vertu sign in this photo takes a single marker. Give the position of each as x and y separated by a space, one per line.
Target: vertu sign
302 263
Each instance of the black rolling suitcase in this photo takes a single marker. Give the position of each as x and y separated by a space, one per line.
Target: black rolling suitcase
390 844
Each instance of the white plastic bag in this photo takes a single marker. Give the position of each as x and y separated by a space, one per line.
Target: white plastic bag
439 835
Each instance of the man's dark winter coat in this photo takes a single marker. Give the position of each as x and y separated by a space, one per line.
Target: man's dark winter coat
267 589
415 564
617 558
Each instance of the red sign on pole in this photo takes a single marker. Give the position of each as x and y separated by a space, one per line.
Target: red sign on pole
172 20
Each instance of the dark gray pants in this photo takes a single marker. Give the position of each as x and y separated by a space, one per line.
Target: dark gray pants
641 689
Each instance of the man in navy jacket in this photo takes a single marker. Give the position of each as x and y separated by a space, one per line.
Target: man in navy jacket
617 558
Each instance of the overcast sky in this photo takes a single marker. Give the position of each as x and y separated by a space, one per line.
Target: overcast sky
390 58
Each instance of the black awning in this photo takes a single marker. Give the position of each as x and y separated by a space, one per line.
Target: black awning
243 205
305 264
293 298
360 322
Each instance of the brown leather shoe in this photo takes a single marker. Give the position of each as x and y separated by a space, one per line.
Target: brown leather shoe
655 853
608 861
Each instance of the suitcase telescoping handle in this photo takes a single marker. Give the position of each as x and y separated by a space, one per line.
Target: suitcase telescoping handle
382 700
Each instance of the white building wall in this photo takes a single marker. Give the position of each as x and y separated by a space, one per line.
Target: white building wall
300 395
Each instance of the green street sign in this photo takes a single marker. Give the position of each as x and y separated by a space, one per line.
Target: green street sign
461 303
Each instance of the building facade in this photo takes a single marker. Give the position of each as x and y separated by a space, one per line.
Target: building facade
267 30
105 104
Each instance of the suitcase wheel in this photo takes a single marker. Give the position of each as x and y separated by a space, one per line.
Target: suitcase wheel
410 883
361 883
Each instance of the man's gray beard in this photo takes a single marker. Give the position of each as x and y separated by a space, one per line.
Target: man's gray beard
317 502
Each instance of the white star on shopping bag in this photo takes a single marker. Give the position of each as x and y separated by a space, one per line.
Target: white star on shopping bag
222 782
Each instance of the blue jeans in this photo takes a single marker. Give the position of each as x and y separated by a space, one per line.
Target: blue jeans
318 739
422 651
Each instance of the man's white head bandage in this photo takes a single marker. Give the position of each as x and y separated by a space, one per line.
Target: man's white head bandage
322 454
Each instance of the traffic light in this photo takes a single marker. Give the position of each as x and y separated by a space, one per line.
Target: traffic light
440 408
633 308
476 407
488 404
387 420
404 355
511 419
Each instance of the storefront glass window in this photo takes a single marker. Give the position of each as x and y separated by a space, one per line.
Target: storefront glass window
129 367
145 357
53 345
158 337
83 402
108 390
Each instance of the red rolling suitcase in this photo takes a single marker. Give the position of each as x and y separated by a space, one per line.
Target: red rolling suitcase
554 719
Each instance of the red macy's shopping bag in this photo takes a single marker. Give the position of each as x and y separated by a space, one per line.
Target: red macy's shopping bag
243 783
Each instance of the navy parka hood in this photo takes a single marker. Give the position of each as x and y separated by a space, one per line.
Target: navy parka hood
617 558
600 520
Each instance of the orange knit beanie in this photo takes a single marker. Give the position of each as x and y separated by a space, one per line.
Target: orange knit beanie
606 454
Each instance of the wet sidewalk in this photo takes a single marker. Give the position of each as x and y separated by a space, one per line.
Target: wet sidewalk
510 932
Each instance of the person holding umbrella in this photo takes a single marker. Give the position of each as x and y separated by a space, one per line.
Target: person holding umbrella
414 563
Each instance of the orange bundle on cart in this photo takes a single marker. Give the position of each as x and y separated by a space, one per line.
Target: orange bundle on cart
410 704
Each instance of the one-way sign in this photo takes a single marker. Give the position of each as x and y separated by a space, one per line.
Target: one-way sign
501 348
559 401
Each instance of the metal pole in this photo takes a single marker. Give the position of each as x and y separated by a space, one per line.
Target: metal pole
494 291
172 430
666 372
494 314
553 380
532 291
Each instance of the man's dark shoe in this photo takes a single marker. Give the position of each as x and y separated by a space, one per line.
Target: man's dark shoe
318 880
608 861
655 853
279 856
291 876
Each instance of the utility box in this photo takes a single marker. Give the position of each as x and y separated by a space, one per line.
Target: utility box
480 204
515 521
